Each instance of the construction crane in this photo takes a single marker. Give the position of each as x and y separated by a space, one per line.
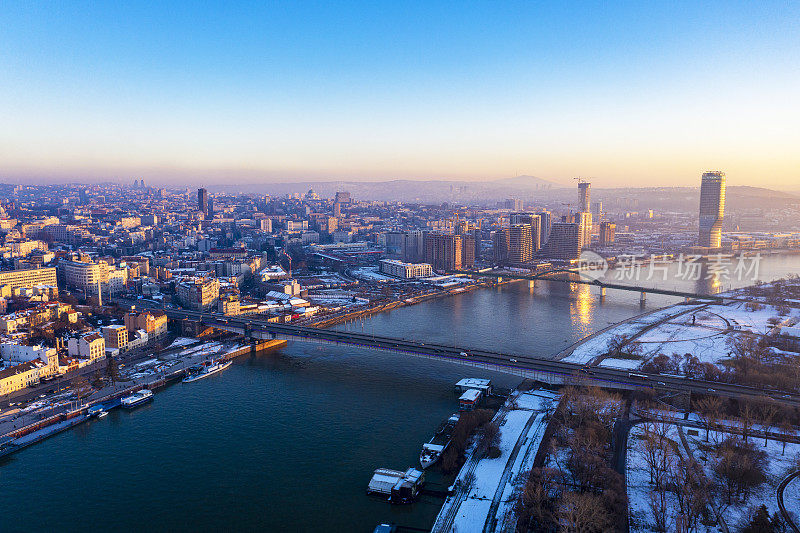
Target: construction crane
289 257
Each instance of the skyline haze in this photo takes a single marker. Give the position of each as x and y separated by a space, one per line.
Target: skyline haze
627 95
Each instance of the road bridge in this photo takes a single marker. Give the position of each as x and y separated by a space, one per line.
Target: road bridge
574 277
530 366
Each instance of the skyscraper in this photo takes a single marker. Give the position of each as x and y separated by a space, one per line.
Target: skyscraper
607 231
712 209
583 196
521 244
443 251
501 241
202 201
467 251
545 221
564 242
536 227
584 220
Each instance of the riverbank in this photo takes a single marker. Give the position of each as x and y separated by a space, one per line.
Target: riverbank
485 489
347 316
16 433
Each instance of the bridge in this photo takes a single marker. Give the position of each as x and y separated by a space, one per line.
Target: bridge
538 368
548 275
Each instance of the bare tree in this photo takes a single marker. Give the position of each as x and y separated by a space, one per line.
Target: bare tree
709 409
747 414
767 411
658 508
786 430
582 513
659 453
689 484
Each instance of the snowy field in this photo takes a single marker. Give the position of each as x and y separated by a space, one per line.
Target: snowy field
780 464
701 330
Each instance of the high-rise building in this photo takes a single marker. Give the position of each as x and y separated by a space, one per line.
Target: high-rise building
534 222
515 204
467 250
414 246
394 244
607 230
712 209
597 210
583 196
545 222
443 251
501 241
337 209
584 220
521 244
342 197
202 200
564 242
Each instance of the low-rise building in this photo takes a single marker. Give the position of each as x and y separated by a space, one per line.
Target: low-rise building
91 346
116 337
402 270
23 375
153 323
198 294
28 278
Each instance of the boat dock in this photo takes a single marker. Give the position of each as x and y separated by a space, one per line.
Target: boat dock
37 431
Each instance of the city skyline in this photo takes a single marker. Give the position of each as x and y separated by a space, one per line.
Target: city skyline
625 94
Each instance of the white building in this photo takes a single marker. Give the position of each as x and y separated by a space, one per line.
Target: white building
19 353
399 269
91 346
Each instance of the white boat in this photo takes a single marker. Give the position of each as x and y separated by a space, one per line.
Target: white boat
207 369
101 414
137 398
432 450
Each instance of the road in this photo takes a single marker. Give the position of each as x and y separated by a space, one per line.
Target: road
550 276
786 515
518 364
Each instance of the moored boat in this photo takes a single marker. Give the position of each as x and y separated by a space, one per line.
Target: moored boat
137 398
433 449
206 369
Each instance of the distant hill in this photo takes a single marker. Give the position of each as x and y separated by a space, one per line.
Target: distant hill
430 191
528 188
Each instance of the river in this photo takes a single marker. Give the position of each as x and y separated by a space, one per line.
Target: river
288 441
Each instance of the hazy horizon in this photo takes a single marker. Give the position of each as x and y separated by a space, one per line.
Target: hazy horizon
629 94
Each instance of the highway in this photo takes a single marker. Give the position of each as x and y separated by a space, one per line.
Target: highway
556 371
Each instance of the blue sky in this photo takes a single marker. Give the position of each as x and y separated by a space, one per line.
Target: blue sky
211 92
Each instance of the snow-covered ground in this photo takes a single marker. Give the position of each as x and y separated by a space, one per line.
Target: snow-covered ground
598 344
182 341
629 364
698 329
637 478
496 481
371 274
779 466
